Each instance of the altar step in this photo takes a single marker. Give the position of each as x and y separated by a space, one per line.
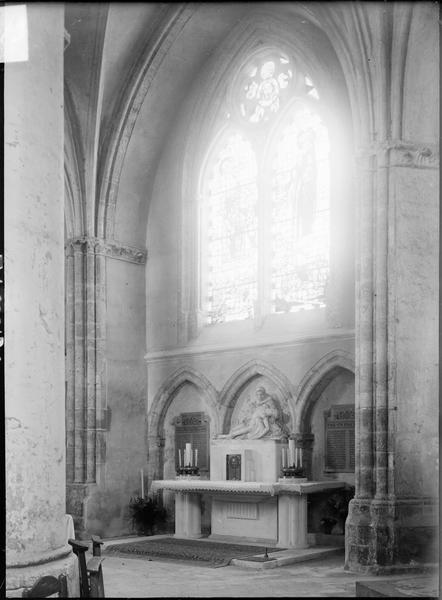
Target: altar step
287 557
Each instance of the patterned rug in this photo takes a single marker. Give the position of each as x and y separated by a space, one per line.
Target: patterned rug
218 554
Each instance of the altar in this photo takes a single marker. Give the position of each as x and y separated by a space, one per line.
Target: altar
257 482
272 513
250 501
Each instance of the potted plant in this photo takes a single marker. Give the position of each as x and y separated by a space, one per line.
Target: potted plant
327 524
336 509
146 514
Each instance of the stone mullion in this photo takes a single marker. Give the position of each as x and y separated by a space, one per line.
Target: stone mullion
70 368
79 358
381 326
90 365
364 338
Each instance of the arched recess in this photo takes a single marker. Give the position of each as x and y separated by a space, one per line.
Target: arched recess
243 376
315 381
161 403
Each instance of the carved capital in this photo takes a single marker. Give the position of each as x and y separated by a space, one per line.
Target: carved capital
92 245
127 253
399 153
415 156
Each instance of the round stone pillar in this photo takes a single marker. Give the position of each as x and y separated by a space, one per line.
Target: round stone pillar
37 527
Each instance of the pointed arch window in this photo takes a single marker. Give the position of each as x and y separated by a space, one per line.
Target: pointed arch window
265 190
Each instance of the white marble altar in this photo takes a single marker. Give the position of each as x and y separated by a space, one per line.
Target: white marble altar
272 510
250 501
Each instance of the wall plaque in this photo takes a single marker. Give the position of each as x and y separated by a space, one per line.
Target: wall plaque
340 438
193 427
233 467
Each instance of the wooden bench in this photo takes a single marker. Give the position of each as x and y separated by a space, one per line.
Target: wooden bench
91 573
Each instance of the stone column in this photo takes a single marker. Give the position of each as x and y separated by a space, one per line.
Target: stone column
86 409
390 520
37 527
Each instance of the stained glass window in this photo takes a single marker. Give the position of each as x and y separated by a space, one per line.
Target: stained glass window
232 250
266 188
300 213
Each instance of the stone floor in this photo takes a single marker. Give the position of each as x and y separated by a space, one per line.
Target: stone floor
142 578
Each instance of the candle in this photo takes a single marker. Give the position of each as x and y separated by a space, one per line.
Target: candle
300 457
283 457
142 483
196 457
180 462
297 457
291 452
188 454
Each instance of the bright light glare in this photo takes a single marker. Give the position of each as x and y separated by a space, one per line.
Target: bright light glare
13 34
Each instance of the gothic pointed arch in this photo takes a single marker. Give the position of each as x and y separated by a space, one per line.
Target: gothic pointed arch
121 125
210 101
316 380
243 376
169 389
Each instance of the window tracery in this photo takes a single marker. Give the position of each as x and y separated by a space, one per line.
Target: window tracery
264 81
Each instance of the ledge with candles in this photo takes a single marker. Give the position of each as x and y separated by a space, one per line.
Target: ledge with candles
291 458
187 462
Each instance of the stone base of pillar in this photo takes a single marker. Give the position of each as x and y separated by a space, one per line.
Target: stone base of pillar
23 578
386 536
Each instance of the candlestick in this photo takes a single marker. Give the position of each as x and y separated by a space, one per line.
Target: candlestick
142 483
291 451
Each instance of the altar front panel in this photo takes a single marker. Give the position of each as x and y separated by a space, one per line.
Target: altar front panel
250 517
